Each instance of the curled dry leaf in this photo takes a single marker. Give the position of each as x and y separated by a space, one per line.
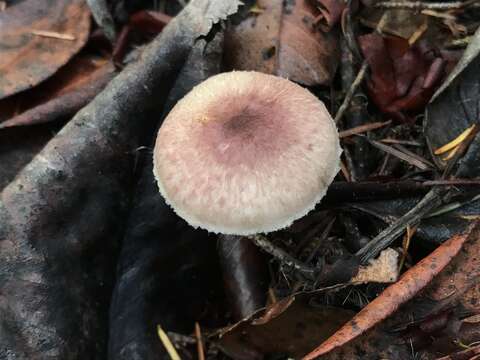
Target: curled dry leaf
274 310
403 78
330 12
384 269
395 295
27 59
66 92
282 39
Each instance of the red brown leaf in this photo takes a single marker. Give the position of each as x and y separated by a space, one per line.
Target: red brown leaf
403 78
27 59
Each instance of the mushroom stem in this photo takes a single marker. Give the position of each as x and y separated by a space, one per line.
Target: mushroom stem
245 274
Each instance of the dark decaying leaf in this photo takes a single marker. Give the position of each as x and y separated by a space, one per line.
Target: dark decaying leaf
432 230
281 38
245 275
17 148
452 112
27 59
61 218
164 262
292 333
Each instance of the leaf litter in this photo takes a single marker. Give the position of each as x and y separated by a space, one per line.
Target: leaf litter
399 179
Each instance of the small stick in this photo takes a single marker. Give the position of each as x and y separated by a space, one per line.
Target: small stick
452 182
281 255
348 97
401 142
362 128
198 336
358 79
53 35
172 352
415 161
420 5
431 201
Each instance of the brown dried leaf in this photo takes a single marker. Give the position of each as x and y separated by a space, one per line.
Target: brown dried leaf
292 333
282 39
274 310
397 294
27 59
55 99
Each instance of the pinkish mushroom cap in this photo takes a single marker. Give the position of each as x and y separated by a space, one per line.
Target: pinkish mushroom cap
245 153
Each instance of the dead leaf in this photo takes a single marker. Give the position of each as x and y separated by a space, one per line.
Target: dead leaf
384 269
274 310
27 59
282 39
395 295
58 262
403 78
331 12
461 284
454 110
291 333
67 91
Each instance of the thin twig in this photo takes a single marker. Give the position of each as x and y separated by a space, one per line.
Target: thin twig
362 128
198 336
415 161
452 182
432 200
452 206
421 5
358 79
281 255
348 97
401 142
53 35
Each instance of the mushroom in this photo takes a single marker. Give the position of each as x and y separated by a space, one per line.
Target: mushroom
246 153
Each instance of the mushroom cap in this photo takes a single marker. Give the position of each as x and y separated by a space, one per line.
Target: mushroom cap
245 153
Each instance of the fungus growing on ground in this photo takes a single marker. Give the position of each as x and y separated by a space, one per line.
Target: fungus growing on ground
246 153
